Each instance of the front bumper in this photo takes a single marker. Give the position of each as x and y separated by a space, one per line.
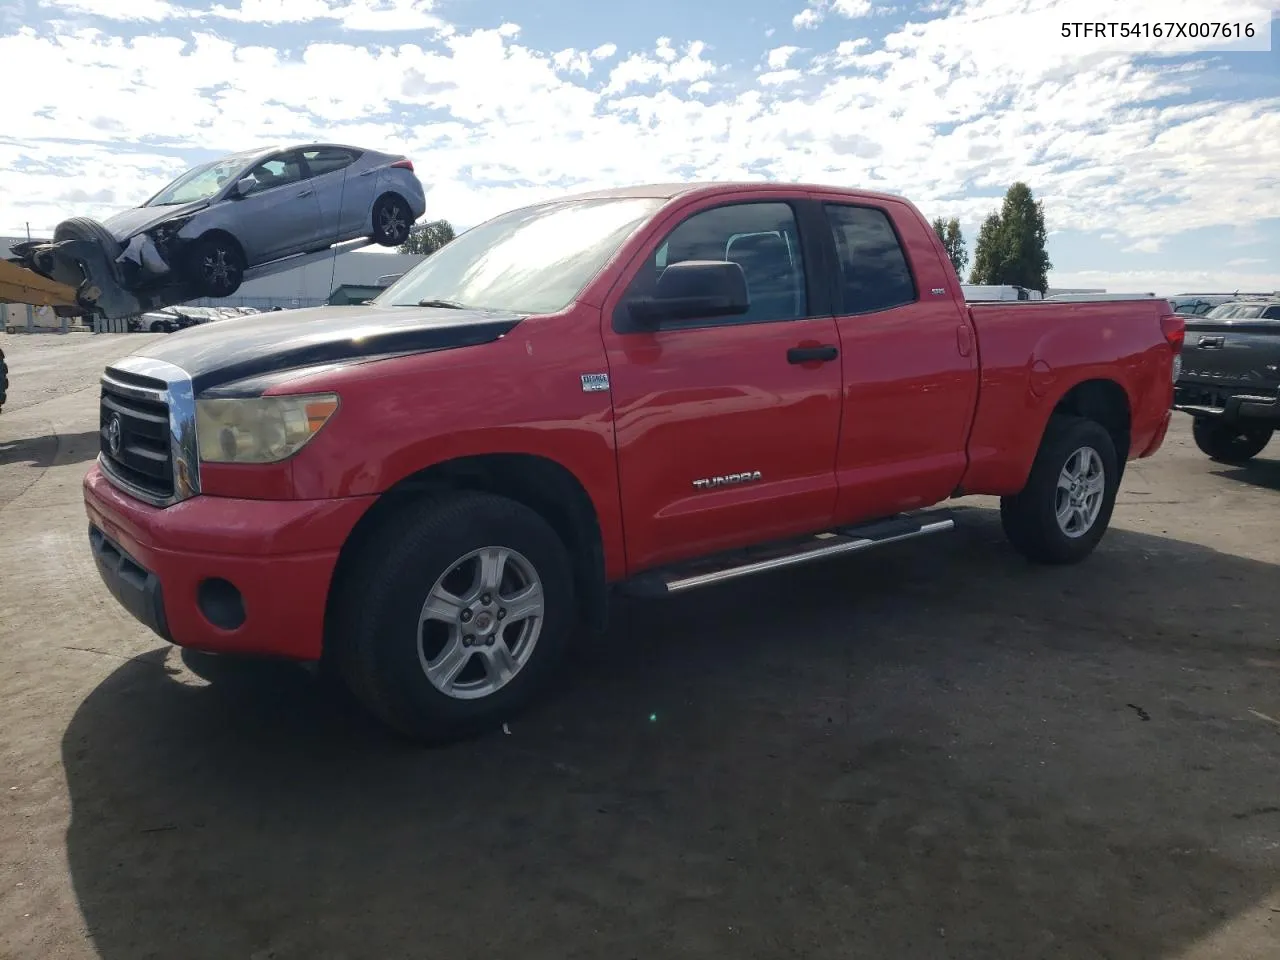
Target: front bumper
220 574
1228 405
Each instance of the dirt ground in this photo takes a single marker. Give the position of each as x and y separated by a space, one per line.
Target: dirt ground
932 751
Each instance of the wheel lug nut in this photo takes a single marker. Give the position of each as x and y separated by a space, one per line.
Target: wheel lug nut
489 642
468 640
486 599
466 616
501 613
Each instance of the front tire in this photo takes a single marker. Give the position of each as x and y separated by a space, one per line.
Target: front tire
391 221
453 614
1065 507
215 266
1229 443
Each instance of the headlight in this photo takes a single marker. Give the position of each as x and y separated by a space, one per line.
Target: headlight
260 429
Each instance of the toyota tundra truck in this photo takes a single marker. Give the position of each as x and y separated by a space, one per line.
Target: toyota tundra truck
646 390
1229 379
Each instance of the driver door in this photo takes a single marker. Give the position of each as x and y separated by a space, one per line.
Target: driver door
701 404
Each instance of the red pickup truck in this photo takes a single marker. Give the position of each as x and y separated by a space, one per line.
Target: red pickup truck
649 389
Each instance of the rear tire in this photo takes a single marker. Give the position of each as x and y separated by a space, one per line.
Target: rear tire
451 670
391 220
215 266
1229 443
1065 507
4 380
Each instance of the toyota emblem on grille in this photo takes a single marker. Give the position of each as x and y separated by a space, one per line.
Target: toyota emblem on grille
113 435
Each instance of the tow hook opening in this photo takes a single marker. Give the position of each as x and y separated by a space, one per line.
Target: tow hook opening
221 603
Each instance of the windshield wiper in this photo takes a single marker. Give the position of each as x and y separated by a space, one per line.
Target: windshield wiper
446 304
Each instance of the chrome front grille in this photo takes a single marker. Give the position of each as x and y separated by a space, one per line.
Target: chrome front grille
147 430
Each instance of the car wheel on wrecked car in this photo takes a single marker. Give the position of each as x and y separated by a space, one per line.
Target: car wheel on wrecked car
391 221
83 228
216 266
1063 510
1227 442
451 614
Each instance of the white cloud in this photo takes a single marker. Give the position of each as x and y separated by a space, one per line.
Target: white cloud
1167 283
817 11
807 19
940 110
851 9
778 56
776 78
666 66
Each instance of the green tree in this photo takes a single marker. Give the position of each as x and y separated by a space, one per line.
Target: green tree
1011 247
986 251
427 238
948 232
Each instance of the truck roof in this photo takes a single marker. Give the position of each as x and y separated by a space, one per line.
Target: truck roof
669 191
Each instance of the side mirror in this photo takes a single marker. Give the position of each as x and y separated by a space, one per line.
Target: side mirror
244 187
692 290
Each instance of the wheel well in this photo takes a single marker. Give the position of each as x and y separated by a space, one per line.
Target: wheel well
389 193
537 482
1106 403
223 235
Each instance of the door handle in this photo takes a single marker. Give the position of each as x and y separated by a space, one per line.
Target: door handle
1211 343
822 354
306 193
367 173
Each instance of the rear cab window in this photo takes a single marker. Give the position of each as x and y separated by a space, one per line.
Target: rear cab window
874 274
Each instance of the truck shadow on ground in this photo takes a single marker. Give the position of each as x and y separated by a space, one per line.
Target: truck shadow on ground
933 751
51 449
1256 473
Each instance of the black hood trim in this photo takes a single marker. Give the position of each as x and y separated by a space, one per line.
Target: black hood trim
247 352
256 386
424 340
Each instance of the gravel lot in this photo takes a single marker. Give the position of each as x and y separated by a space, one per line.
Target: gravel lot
931 751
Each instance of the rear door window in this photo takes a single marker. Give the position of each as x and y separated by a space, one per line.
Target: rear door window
874 273
322 160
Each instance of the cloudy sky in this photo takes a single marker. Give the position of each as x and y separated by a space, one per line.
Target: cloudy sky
1156 160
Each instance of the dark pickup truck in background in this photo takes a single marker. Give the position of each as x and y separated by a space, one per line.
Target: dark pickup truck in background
1229 377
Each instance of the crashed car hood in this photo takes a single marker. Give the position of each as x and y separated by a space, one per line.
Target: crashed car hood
127 223
243 348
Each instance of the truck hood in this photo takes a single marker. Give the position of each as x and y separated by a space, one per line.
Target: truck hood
243 348
128 223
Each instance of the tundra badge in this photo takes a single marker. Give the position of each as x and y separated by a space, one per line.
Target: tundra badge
594 382
709 483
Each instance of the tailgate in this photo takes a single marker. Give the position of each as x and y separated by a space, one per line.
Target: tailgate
1240 357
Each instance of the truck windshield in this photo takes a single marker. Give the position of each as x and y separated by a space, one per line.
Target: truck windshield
202 182
533 260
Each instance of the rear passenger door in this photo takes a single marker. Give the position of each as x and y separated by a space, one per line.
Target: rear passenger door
725 397
910 361
345 195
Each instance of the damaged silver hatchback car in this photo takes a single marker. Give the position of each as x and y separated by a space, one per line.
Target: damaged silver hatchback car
222 218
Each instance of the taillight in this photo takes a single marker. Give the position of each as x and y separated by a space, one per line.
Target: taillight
404 165
1174 329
